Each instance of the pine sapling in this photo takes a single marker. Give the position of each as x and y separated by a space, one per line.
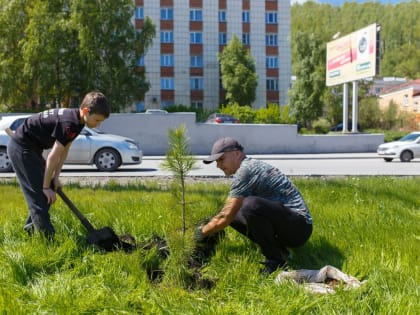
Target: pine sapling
179 161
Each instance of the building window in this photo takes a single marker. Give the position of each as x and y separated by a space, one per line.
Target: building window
167 60
405 100
196 37
167 83
272 84
272 62
222 16
271 40
167 14
246 39
139 13
246 17
222 38
140 61
196 61
166 37
197 104
196 15
196 83
271 17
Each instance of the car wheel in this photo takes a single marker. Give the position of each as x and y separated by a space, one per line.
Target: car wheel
5 164
406 156
388 159
107 160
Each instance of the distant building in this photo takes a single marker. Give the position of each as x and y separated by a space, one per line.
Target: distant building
405 95
381 84
182 65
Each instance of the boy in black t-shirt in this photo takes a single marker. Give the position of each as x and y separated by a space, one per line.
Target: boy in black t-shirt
53 129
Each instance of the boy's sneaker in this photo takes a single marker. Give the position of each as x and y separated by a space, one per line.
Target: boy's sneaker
272 265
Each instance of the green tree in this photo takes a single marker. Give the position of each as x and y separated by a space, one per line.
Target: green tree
333 100
400 29
390 116
307 91
239 77
369 113
179 161
15 86
57 50
110 48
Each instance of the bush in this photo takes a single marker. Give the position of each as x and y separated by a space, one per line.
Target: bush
321 126
245 114
269 115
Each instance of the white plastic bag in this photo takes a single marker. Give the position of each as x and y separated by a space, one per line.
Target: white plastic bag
324 280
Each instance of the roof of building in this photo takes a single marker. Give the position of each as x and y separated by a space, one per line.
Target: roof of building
415 85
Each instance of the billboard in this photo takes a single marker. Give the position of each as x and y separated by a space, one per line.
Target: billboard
354 56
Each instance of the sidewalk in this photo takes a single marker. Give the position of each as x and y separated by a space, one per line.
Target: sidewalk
323 156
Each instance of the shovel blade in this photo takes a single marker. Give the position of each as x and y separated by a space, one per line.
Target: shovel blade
108 240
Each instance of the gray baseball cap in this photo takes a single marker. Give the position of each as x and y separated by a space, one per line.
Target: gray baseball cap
220 147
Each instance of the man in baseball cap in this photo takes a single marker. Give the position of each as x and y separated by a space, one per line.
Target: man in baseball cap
220 147
263 204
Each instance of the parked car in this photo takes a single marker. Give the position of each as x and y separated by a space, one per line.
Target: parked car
107 151
406 148
218 118
339 127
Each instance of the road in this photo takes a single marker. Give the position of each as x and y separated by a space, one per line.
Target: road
348 164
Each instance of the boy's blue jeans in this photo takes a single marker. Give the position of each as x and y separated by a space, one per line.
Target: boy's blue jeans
29 167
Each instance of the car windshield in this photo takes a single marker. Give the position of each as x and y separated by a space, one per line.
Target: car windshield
410 137
11 122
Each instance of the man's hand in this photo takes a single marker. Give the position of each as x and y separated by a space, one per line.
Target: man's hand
198 235
205 247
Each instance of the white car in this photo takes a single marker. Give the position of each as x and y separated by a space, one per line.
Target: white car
107 151
406 149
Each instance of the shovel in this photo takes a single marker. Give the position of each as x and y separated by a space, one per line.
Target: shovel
104 237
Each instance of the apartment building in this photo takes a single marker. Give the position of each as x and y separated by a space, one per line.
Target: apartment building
182 65
405 95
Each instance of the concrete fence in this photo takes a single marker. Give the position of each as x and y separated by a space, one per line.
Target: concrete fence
151 131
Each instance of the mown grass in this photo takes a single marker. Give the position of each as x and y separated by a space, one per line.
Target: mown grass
366 226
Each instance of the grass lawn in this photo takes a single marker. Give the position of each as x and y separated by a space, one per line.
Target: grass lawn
368 227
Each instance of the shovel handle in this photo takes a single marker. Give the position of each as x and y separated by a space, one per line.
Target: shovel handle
76 211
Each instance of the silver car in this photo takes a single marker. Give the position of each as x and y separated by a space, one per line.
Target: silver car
107 151
406 148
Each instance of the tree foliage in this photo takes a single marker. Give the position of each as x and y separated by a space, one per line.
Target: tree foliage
400 30
306 94
179 161
314 24
239 77
57 50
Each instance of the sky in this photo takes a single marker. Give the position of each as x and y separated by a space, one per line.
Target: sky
340 2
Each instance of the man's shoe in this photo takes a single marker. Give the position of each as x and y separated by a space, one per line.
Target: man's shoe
272 265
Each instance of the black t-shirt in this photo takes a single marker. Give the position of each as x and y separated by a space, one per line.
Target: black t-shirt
41 130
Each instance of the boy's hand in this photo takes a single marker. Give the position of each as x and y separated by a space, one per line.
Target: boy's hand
56 183
50 194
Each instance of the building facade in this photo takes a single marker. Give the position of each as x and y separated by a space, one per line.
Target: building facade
182 65
406 96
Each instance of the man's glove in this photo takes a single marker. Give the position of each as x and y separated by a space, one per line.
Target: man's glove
205 247
198 234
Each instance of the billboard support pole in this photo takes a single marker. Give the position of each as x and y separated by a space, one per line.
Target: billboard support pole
355 107
345 106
